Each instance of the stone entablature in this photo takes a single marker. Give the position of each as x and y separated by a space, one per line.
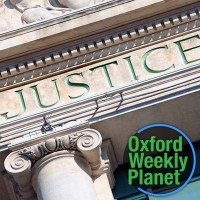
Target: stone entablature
117 43
91 80
92 63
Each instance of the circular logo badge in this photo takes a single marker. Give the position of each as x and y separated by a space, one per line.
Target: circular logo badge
160 155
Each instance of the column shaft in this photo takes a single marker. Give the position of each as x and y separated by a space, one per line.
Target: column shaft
63 175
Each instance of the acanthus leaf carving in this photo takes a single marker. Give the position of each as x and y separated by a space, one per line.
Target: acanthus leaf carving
88 142
51 145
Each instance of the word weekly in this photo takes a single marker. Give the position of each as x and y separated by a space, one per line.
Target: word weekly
140 158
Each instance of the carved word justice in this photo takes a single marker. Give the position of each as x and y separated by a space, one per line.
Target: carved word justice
95 79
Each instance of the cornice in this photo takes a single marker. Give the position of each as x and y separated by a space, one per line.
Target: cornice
77 56
83 22
138 5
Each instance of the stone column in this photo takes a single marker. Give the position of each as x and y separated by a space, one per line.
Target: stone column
63 175
59 168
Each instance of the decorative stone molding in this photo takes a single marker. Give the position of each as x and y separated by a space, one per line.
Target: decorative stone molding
60 128
88 142
38 151
88 48
78 4
5 23
43 10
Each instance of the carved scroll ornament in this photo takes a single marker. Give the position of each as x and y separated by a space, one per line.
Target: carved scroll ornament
87 142
19 167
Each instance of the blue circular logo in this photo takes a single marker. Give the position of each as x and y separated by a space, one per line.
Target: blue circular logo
193 153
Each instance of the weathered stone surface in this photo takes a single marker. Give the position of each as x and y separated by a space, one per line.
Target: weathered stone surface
4 23
19 167
78 24
34 11
78 4
38 13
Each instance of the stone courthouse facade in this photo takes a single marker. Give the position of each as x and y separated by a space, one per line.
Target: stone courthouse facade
78 78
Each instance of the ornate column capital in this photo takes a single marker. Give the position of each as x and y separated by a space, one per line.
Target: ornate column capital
24 165
87 141
19 166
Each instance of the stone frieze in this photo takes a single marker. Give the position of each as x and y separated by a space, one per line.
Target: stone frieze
22 12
